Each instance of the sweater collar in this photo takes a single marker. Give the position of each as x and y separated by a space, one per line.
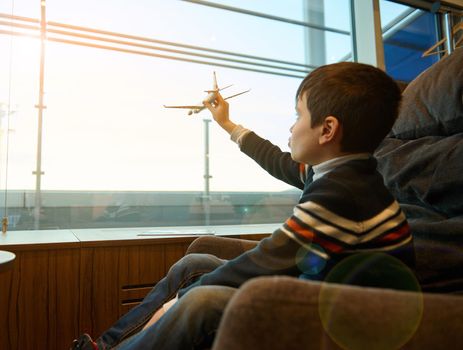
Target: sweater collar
325 167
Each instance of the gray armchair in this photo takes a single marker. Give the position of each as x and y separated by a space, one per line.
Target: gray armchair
421 162
286 313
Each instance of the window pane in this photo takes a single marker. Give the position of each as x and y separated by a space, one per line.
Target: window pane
339 48
332 44
18 96
408 33
26 8
19 66
183 22
111 117
291 9
337 14
112 156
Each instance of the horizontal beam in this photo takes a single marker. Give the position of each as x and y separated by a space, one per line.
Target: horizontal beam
65 33
267 16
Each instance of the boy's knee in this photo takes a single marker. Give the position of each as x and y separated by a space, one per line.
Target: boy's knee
200 295
208 297
198 263
195 258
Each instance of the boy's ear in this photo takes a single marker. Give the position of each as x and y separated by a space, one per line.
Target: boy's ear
330 130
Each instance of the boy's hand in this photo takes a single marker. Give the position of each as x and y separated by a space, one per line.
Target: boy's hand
219 110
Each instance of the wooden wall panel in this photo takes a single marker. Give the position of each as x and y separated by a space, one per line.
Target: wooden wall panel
39 300
9 285
143 268
142 265
99 289
173 253
115 279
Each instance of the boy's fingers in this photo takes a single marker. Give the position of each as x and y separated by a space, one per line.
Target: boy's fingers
208 105
219 97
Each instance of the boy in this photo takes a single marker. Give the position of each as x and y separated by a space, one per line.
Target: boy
344 111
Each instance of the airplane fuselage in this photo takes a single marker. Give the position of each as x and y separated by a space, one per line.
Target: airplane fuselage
209 98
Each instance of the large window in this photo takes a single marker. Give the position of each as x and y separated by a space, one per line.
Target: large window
110 155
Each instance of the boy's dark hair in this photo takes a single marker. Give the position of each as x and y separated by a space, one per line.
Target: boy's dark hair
363 98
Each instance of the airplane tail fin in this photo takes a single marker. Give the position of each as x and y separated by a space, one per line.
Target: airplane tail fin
215 86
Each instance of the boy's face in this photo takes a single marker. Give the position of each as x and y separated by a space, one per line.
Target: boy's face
304 140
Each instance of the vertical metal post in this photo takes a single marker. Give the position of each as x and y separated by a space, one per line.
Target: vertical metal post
7 115
448 32
353 32
315 41
38 171
207 175
366 33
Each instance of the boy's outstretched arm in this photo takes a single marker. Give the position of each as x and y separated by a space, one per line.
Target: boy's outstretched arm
270 157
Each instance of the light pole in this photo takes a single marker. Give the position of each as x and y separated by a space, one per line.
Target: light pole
5 113
40 106
207 175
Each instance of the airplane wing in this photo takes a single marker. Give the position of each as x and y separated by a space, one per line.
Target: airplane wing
214 91
240 93
185 107
226 87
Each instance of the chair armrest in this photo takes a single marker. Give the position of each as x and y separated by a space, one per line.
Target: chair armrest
278 313
284 313
222 247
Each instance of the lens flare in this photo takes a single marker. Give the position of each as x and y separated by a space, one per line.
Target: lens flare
371 318
308 262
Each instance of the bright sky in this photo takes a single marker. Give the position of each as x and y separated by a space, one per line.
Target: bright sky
105 127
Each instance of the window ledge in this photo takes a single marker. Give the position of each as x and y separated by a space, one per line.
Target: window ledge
50 239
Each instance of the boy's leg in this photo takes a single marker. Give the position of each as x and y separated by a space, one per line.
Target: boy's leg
189 324
181 274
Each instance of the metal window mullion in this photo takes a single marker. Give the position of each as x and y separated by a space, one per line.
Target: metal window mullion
169 43
267 16
367 41
145 53
91 35
74 28
165 49
315 43
448 32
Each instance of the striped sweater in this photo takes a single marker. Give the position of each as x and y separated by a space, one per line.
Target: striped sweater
346 211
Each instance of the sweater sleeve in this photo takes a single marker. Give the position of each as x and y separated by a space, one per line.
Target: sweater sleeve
277 163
